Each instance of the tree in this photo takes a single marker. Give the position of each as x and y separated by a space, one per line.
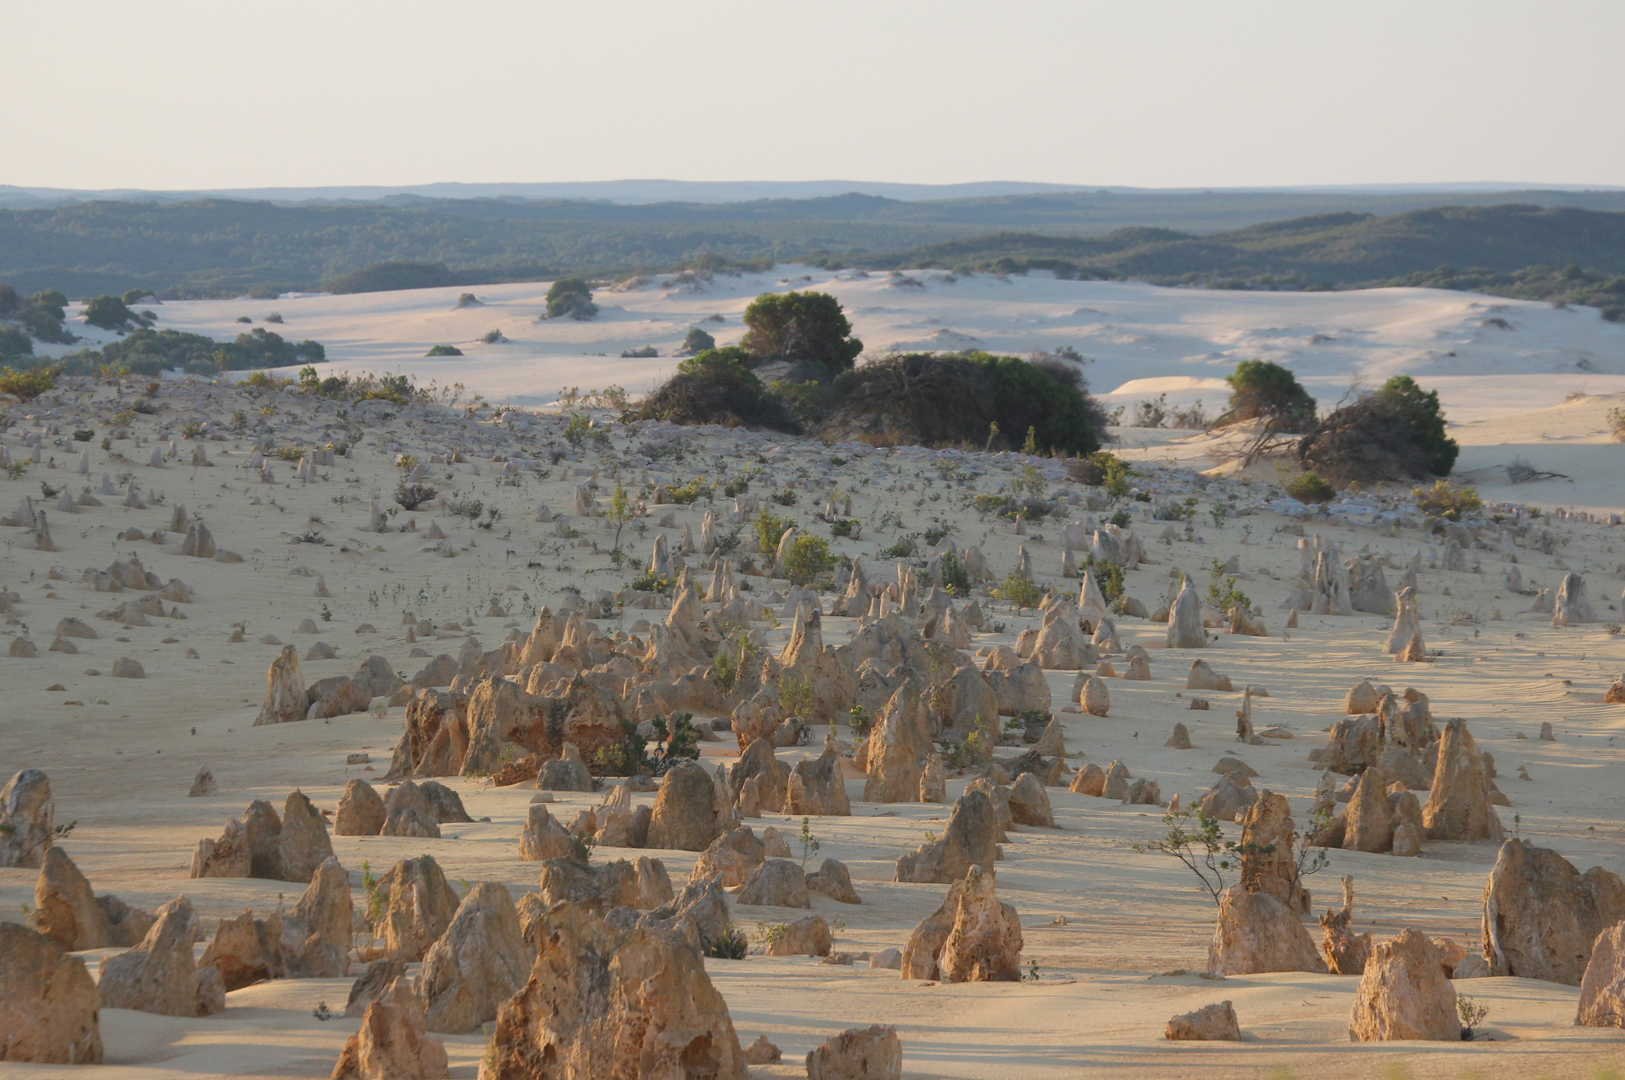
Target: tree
697 341
1260 389
1397 433
570 298
1420 412
110 313
800 326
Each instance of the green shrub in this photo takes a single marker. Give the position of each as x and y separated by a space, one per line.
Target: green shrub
797 697
808 401
1102 468
806 558
1260 389
570 298
932 400
111 313
644 353
691 491
955 578
28 384
731 944
706 358
1020 590
649 581
696 341
851 528
1222 592
800 326
1109 576
716 392
1310 488
1445 500
1028 398
14 342
770 529
444 350
679 741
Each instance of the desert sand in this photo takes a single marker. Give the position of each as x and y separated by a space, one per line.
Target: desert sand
1117 937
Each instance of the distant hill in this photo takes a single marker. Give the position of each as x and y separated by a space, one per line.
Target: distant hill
222 247
1334 250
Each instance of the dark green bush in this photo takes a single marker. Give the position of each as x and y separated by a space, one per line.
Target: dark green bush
716 392
731 354
807 326
1420 411
697 341
570 298
14 342
1028 397
1397 433
443 350
931 400
1310 488
111 313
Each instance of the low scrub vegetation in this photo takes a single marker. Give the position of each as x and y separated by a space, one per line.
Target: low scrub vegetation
1310 488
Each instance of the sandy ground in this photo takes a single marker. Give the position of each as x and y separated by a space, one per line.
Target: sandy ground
121 753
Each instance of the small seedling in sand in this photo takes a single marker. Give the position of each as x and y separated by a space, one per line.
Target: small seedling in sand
327 613
1471 1014
322 1012
809 842
768 933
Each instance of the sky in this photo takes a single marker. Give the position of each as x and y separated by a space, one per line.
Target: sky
179 94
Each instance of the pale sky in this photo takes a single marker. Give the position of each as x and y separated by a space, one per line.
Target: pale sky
178 94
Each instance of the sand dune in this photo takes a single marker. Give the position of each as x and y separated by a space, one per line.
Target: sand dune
1451 341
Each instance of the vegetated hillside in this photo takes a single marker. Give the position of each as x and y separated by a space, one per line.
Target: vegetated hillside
1517 250
222 247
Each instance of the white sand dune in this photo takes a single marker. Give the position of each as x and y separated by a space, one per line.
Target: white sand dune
1137 336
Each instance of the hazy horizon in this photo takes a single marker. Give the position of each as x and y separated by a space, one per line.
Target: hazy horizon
1181 96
